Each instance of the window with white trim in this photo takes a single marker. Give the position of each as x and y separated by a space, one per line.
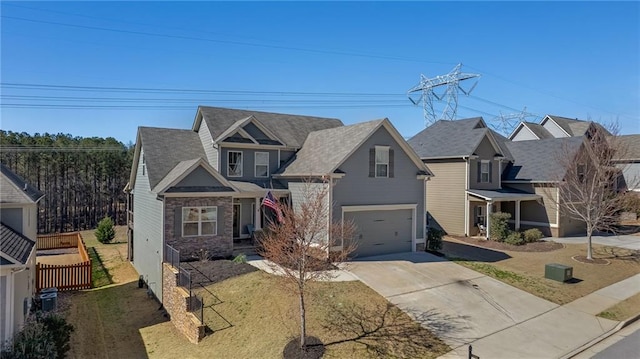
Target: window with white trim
199 221
234 164
262 164
382 161
484 171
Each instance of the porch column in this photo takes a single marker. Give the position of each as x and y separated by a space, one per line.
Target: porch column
488 219
517 215
256 215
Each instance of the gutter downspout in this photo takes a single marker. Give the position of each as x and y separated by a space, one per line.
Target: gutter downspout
466 196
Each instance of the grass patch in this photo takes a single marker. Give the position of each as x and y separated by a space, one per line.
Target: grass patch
623 310
99 274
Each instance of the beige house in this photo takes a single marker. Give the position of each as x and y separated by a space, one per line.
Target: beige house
18 230
477 172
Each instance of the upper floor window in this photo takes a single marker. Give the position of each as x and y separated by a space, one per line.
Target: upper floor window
382 161
234 164
485 171
199 221
262 164
144 166
581 168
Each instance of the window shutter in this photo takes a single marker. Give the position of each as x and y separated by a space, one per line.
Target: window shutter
479 171
177 222
490 171
372 162
390 163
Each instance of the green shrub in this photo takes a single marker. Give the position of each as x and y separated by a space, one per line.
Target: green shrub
44 336
240 258
514 238
434 239
532 235
499 227
105 232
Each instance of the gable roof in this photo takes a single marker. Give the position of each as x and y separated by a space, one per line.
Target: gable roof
324 151
182 170
292 130
14 245
450 139
630 147
535 128
536 161
14 189
573 126
163 149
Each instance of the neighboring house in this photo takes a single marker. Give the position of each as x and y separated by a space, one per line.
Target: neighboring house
476 171
629 161
18 231
202 189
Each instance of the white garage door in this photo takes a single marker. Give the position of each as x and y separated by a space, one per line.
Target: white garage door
381 232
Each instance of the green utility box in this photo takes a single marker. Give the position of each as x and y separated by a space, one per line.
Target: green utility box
559 272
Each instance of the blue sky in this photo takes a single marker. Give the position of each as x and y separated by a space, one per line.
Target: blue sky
354 61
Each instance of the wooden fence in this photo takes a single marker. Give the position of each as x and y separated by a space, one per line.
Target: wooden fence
65 276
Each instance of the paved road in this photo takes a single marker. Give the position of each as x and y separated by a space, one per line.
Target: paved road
627 348
462 306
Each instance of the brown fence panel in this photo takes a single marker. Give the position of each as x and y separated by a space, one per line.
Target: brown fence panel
56 241
64 277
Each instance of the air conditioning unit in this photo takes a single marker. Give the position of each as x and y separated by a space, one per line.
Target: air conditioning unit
49 301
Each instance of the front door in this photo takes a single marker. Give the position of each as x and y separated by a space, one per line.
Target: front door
236 220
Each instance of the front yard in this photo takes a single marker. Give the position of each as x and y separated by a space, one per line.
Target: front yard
254 317
525 270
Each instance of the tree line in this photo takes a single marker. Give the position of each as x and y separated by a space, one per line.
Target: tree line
82 178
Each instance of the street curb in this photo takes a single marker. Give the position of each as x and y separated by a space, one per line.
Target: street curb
602 337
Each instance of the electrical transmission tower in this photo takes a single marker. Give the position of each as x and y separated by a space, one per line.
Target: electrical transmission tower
451 82
505 124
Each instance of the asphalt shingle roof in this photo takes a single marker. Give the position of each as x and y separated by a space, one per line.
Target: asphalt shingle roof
575 127
538 130
14 244
538 160
164 148
630 147
14 189
324 150
449 138
291 129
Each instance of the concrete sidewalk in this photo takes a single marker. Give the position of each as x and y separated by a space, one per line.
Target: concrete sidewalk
464 307
338 275
620 241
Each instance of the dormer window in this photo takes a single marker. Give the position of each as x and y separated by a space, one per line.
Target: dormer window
382 161
234 164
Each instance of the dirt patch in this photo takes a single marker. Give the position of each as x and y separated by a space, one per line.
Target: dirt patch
529 247
597 261
314 349
624 310
525 270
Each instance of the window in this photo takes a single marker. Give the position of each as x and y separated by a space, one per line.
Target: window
581 168
262 164
234 167
382 161
485 171
199 221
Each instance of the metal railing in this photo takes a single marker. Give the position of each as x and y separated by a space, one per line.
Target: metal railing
184 280
196 306
171 256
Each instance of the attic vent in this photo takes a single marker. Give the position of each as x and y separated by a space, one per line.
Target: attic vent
479 125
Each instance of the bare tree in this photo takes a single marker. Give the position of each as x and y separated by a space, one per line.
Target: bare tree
306 243
592 188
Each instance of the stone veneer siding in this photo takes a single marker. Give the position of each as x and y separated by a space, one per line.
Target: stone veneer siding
220 245
175 301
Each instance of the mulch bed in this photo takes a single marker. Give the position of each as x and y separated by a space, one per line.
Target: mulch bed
216 270
529 247
583 259
314 349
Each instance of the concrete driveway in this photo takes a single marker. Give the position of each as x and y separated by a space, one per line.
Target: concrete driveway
621 241
464 307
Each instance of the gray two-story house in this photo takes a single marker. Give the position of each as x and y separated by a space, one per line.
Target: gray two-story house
201 189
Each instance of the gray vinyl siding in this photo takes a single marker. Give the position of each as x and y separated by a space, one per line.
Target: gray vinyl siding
3 307
255 132
207 143
12 217
21 291
199 177
446 196
357 188
524 134
248 163
303 191
554 129
147 232
485 151
631 173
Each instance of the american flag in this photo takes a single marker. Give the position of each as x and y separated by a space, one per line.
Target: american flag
270 201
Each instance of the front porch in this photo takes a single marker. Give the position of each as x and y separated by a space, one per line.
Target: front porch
481 203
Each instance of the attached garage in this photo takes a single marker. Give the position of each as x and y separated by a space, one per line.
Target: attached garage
382 229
